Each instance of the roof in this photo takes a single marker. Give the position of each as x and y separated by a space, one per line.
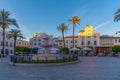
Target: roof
71 37
82 31
107 37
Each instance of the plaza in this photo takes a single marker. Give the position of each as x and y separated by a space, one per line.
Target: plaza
89 68
59 40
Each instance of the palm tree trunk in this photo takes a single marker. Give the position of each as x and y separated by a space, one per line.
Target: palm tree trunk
73 36
14 45
3 42
63 39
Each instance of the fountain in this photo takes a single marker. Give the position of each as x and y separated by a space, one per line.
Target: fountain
46 51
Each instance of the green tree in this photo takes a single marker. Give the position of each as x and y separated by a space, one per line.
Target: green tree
65 50
74 20
15 33
117 15
5 22
116 48
21 49
78 47
90 47
62 27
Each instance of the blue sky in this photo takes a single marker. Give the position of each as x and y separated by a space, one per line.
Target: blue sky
46 15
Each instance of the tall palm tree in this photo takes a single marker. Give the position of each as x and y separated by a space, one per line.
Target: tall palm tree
74 20
5 22
117 15
117 18
62 27
15 33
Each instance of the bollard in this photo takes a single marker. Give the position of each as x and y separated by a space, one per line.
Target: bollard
14 61
22 59
69 58
29 59
56 59
46 59
63 59
37 60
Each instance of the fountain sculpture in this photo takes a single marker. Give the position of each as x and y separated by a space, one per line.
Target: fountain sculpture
45 52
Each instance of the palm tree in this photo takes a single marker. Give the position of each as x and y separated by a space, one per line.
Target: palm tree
117 15
15 33
5 22
62 27
74 20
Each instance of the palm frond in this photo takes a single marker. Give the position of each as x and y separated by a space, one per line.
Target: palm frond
5 19
117 17
117 12
15 33
62 27
74 20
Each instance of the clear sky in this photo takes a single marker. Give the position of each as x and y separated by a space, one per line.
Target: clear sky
45 15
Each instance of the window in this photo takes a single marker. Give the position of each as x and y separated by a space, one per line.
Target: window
6 43
1 51
66 41
6 51
94 36
35 44
71 41
39 40
10 44
60 43
11 51
95 42
88 36
119 40
115 40
88 42
82 43
34 39
75 41
39 43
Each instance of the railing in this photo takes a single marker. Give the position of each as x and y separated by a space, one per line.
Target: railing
28 59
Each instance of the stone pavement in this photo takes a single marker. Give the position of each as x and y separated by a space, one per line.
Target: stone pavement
90 68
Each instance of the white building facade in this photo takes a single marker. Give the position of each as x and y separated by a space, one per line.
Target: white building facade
39 39
116 40
84 38
9 44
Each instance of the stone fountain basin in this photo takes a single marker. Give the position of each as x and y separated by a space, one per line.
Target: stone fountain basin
46 56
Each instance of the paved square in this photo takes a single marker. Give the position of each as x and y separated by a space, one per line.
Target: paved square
90 68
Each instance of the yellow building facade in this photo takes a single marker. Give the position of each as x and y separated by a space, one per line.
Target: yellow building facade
88 31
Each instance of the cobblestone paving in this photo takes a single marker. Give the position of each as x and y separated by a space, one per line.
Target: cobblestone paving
90 68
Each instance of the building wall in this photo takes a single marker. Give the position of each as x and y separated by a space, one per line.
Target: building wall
22 43
116 40
69 41
38 41
107 41
86 37
9 43
93 40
